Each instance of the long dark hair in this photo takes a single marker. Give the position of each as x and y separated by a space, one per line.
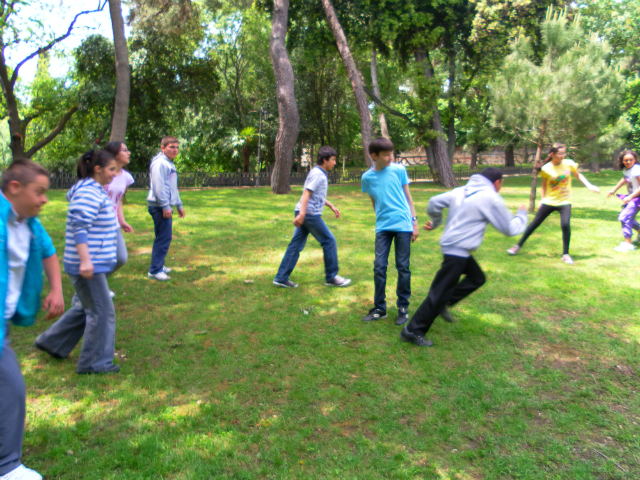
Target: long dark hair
624 154
555 148
92 159
113 148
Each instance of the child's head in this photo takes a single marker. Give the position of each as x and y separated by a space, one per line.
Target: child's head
381 150
25 184
494 175
557 152
170 146
99 165
327 157
627 159
119 151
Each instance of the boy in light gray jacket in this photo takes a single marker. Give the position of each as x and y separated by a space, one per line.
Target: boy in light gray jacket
163 194
471 208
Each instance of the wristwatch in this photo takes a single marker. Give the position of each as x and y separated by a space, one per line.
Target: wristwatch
414 219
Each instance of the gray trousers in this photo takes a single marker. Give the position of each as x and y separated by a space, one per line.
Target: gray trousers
121 250
94 317
12 409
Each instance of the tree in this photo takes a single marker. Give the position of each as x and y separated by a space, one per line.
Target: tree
287 106
123 74
18 123
569 97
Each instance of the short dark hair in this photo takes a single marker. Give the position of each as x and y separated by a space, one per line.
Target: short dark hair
91 160
492 173
380 144
325 153
23 171
624 154
167 140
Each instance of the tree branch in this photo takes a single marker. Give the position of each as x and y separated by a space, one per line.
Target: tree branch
53 42
389 109
54 133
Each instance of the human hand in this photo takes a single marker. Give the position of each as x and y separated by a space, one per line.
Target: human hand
53 304
610 193
415 233
626 199
166 214
86 269
127 228
336 211
299 220
594 189
522 207
181 213
428 226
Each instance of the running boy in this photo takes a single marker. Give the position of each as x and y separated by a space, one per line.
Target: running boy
26 249
388 186
471 208
163 194
308 220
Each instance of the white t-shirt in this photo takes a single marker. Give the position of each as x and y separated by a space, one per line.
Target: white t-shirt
18 245
631 178
317 183
117 188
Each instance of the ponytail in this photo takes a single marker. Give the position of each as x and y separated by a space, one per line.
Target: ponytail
91 159
554 149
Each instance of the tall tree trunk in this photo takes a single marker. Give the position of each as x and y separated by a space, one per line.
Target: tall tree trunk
123 74
384 130
246 158
451 127
474 154
289 124
536 167
595 162
444 167
509 157
354 77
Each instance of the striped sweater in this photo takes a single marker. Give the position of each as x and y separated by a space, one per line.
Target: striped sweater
90 220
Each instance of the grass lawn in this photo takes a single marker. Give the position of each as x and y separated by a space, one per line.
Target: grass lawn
225 376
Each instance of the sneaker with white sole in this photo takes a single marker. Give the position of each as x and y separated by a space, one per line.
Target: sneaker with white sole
166 269
513 250
21 473
624 247
161 276
566 258
338 281
374 314
112 294
285 284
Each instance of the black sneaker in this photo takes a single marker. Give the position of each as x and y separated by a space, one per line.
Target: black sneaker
374 314
403 316
338 281
286 284
113 368
447 316
407 336
46 350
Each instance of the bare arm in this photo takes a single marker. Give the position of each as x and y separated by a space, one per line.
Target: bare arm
373 202
615 189
304 201
585 182
86 266
123 223
54 302
543 188
333 208
407 194
631 196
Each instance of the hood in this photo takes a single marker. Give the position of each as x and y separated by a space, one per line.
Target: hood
85 182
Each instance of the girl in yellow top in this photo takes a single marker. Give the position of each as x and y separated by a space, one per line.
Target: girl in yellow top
556 197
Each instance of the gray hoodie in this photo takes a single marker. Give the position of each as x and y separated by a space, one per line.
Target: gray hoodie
163 191
471 208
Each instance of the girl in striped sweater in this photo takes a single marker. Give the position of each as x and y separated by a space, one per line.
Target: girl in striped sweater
89 256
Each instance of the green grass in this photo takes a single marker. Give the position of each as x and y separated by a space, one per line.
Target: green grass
231 380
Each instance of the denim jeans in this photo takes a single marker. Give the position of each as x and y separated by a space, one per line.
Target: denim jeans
314 225
12 408
403 254
162 228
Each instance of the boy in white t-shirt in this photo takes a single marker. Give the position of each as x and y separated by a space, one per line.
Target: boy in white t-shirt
628 163
308 220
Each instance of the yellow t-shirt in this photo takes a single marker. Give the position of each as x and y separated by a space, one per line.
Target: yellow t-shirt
558 182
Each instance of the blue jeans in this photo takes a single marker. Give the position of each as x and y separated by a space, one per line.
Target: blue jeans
162 228
314 225
403 254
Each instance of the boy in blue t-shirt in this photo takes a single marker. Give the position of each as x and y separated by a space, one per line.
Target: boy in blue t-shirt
388 186
308 220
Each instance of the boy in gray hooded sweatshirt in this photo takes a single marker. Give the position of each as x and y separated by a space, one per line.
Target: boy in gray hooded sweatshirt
471 208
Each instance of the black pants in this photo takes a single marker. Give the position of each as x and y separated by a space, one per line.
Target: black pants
445 290
565 224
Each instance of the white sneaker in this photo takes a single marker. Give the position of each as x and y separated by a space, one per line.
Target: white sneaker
22 473
166 269
624 247
567 259
112 294
513 250
161 276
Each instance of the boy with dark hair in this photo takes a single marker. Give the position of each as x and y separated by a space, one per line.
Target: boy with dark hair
388 186
308 220
471 209
25 249
163 194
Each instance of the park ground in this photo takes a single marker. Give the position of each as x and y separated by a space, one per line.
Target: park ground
225 376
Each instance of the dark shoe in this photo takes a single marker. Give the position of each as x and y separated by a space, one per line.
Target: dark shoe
46 350
407 336
403 316
338 281
115 368
286 284
374 314
447 316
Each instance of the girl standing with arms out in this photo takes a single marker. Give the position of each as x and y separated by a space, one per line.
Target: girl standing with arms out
628 163
116 191
89 257
556 197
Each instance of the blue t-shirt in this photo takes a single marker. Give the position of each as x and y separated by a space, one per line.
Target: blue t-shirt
317 183
393 213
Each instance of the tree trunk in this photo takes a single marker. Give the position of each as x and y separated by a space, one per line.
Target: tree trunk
509 157
536 168
474 155
123 87
289 124
354 77
451 128
384 130
595 162
443 166
246 158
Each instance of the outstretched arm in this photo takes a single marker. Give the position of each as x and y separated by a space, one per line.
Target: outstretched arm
615 189
585 182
